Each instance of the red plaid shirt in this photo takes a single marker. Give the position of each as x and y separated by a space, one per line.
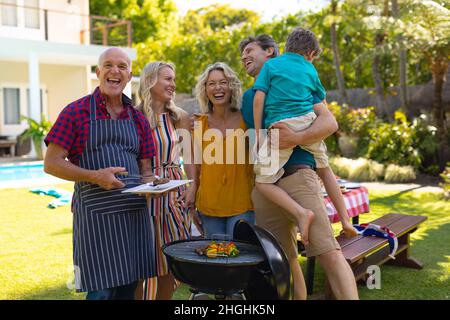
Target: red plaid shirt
71 129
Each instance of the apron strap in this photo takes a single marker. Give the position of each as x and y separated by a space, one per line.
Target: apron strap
92 108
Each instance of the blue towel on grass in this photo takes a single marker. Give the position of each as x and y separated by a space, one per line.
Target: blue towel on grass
63 197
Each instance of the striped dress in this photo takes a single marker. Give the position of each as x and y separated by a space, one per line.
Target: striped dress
170 220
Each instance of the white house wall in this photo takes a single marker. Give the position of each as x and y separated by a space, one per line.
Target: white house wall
62 64
62 85
66 28
65 22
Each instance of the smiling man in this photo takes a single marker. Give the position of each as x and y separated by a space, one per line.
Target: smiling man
108 146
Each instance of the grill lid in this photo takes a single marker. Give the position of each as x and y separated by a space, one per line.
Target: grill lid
273 281
184 250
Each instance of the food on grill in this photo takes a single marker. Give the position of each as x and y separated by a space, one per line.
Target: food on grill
161 181
218 249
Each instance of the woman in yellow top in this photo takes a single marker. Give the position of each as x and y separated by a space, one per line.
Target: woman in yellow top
224 180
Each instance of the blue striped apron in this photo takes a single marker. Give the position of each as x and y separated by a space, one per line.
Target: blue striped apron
113 233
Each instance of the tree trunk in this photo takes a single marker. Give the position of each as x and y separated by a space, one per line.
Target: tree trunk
439 68
336 58
376 66
378 81
402 65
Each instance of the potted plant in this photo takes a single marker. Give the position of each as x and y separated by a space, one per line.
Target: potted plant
353 126
36 131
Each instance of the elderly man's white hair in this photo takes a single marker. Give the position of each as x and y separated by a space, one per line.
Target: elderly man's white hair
102 56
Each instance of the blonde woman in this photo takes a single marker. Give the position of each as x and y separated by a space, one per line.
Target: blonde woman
156 91
223 188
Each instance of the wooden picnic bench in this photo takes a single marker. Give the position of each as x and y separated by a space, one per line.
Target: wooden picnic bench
362 252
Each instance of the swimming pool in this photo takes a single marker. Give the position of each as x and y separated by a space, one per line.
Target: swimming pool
22 172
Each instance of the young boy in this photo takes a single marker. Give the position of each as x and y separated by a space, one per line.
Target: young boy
284 93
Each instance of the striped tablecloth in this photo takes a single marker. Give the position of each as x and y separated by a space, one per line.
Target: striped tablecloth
356 201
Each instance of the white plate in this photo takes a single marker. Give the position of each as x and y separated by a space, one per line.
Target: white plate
150 188
352 185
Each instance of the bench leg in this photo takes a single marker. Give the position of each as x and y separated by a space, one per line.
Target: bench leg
403 259
310 265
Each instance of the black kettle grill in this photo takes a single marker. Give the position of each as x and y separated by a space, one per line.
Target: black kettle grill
260 271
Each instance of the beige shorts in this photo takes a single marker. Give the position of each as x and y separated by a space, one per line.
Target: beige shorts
269 165
304 187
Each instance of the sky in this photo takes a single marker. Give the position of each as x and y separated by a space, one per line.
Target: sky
267 8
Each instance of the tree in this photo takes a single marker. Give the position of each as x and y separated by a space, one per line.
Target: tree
148 17
335 49
217 17
427 31
402 62
380 37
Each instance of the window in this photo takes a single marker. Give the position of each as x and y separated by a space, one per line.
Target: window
9 13
22 14
31 15
11 105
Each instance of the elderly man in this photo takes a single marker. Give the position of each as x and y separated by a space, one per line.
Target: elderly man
302 184
108 146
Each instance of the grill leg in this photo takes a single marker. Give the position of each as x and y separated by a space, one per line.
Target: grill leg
197 295
236 296
310 265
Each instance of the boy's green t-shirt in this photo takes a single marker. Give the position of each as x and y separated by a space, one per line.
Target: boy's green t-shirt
290 83
298 156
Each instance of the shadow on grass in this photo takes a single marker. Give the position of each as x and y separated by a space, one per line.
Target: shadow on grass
53 293
62 232
407 202
63 293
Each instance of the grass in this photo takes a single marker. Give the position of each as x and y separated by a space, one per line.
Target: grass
36 248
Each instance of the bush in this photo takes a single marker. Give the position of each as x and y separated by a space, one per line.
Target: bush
362 169
401 142
357 170
355 122
332 145
426 143
395 173
446 183
366 170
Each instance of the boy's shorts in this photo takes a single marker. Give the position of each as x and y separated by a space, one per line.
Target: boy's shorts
269 164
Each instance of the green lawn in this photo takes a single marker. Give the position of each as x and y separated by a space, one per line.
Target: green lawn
36 248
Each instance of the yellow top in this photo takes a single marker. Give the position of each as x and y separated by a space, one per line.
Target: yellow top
225 186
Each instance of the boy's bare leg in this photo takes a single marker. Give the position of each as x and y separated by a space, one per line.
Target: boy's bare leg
335 194
282 198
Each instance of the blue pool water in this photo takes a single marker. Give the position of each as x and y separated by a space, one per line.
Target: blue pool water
22 172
